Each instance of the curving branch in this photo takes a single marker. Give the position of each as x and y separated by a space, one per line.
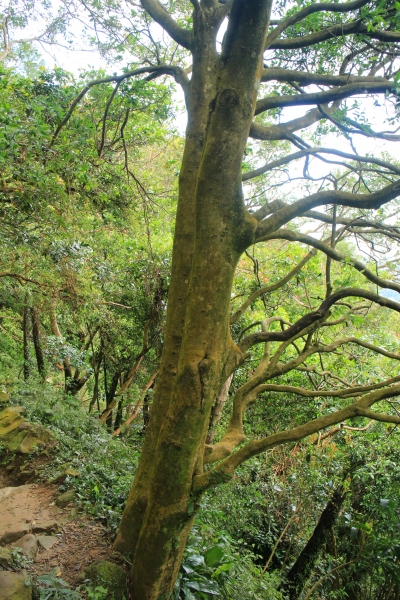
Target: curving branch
271 288
156 10
358 129
342 393
388 230
177 72
317 150
305 78
374 200
314 316
339 30
248 392
309 10
362 407
284 130
293 236
332 95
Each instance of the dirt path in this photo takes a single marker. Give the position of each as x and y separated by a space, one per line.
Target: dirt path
74 541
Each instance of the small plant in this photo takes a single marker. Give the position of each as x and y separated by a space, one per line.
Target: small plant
98 593
19 559
52 587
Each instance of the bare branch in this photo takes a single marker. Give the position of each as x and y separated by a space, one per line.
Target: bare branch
294 236
159 70
332 95
374 200
271 288
314 316
318 150
309 10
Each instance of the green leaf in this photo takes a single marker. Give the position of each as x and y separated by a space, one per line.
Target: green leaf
213 556
223 568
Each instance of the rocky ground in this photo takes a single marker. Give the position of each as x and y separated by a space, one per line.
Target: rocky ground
41 532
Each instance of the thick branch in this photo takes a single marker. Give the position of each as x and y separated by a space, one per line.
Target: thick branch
181 36
305 78
225 470
335 31
373 200
332 95
284 130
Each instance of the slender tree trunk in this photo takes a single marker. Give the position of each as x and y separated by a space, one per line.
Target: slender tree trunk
301 570
217 409
55 330
110 393
118 416
25 327
146 411
37 344
198 353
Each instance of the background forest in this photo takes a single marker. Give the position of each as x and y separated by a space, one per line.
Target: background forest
87 216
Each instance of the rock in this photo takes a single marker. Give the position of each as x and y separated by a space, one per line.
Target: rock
45 527
18 435
28 545
15 586
14 534
6 558
65 498
80 578
7 491
110 576
47 541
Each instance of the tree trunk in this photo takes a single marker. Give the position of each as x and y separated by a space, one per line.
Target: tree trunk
118 416
146 411
55 330
212 230
25 327
97 360
110 393
216 412
37 344
303 567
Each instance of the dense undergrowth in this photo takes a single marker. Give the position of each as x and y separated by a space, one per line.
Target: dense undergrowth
248 532
216 563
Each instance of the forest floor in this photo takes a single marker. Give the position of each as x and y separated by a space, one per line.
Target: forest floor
61 539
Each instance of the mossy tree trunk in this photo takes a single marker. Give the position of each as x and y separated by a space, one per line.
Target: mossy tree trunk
212 230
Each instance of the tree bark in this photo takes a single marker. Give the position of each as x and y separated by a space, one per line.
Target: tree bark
110 393
37 343
25 328
198 353
216 412
301 570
